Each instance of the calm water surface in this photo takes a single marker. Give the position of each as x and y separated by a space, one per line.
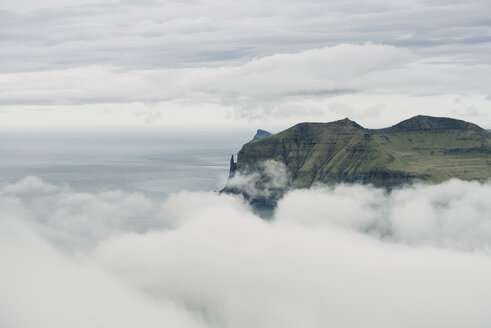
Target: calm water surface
154 164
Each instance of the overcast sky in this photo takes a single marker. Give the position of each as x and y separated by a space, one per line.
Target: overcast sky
153 65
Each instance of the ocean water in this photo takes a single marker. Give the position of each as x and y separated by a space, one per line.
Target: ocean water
154 164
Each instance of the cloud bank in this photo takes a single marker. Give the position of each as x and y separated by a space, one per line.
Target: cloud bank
375 84
153 34
140 64
343 257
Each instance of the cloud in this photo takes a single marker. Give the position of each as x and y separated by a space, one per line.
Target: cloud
344 256
318 84
452 214
29 185
268 183
251 61
43 287
155 34
316 73
73 219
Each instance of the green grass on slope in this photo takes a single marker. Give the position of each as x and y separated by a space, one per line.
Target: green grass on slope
424 148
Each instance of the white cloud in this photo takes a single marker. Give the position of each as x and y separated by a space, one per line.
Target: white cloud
364 82
342 257
452 214
42 287
29 185
273 176
74 219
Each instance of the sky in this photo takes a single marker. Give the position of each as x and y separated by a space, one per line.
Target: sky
158 65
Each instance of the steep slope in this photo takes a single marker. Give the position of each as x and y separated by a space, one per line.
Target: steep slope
438 148
422 148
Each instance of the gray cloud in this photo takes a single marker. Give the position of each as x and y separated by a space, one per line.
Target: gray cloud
324 72
156 34
249 61
280 61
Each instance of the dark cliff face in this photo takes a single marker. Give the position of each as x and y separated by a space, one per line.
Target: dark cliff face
233 168
424 148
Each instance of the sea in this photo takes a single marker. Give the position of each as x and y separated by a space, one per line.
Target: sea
155 164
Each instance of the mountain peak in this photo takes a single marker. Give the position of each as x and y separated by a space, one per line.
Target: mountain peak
349 122
261 134
346 122
422 123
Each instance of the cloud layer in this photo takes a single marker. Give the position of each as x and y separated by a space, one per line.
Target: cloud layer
342 257
143 64
377 85
154 34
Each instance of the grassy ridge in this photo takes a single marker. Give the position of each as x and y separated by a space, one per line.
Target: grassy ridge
422 148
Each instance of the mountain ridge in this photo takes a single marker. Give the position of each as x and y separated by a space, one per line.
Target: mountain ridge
422 148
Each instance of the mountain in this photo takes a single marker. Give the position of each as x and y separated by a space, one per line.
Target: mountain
261 134
422 148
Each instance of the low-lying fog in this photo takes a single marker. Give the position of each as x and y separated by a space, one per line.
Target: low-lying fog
352 256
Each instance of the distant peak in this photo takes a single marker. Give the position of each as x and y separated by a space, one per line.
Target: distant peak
261 134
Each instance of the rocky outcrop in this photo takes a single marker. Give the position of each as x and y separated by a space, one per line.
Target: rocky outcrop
233 168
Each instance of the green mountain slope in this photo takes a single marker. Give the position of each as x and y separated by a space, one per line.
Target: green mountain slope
425 148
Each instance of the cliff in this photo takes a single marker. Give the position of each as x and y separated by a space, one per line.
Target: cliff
423 148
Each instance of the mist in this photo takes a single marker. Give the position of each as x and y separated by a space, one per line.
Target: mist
348 256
